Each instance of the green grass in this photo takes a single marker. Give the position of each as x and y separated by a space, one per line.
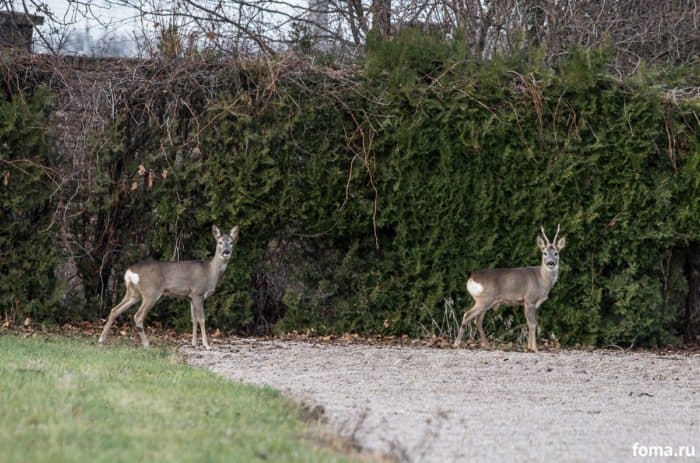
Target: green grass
67 400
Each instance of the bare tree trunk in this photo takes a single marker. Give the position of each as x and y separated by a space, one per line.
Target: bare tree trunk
381 17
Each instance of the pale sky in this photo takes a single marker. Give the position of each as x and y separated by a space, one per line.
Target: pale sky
117 23
101 29
116 16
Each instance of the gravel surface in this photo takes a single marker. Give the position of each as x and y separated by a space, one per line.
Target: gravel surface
441 405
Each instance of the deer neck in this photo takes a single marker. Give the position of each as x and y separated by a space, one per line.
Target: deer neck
217 266
549 276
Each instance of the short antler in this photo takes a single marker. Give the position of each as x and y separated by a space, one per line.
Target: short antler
544 235
555 235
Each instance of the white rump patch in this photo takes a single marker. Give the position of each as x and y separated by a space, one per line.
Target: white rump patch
474 288
131 277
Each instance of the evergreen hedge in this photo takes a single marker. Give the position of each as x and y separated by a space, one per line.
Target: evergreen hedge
29 247
365 199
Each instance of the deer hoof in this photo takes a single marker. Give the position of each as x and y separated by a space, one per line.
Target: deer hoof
207 346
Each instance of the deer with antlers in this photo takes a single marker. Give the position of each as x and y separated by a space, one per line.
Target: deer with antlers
526 286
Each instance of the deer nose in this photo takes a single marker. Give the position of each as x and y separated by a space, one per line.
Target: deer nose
227 252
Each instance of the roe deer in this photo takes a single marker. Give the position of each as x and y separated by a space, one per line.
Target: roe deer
526 286
193 279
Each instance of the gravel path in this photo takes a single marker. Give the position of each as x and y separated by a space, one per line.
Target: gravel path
442 405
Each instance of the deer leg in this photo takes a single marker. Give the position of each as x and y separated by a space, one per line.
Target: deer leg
130 298
531 316
148 302
194 325
199 312
480 326
474 312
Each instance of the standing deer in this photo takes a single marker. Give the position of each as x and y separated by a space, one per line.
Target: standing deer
193 279
526 286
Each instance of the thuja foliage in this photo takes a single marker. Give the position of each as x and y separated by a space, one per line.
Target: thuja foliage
281 165
477 155
365 200
505 151
366 197
28 251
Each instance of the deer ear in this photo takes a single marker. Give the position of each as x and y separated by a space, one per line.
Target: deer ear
215 231
234 233
561 243
541 244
